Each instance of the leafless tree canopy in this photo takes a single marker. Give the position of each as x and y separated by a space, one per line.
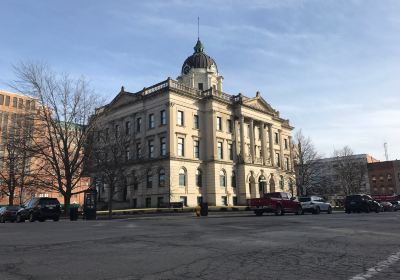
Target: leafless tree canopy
307 174
66 105
17 171
351 172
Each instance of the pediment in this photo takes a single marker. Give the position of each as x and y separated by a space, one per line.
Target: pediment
260 104
120 100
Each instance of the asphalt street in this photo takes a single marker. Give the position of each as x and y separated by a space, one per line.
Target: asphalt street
222 246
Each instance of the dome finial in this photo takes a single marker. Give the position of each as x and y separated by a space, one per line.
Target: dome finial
199 46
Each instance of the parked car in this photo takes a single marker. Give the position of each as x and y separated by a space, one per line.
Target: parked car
396 205
387 206
8 213
315 204
41 209
361 203
276 202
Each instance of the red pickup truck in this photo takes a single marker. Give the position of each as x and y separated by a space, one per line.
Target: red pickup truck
276 202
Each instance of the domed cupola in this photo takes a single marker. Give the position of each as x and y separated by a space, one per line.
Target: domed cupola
198 60
200 70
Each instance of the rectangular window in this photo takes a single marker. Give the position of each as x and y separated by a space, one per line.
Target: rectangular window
196 149
230 151
116 131
219 123
183 199
200 86
276 138
181 147
149 180
152 122
127 154
229 126
287 163
107 134
138 124
27 105
278 160
235 202
33 106
248 131
15 100
127 128
180 120
220 150
148 202
199 200
1 99
196 123
151 148
134 202
7 101
163 146
224 200
163 117
20 103
160 201
138 150
286 144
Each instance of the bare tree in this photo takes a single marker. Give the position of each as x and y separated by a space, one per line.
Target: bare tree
306 164
65 107
351 171
17 172
110 153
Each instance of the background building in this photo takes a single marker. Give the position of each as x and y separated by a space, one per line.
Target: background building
186 140
384 177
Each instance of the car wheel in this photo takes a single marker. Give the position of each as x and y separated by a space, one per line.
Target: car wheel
329 210
42 220
2 220
278 211
348 211
31 217
58 218
317 211
367 210
19 220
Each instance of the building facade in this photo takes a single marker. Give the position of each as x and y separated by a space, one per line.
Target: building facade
188 141
384 177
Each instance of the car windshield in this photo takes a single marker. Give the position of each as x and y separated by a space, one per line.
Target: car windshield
354 197
13 208
274 195
49 201
305 199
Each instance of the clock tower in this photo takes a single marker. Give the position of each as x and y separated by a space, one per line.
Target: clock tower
200 70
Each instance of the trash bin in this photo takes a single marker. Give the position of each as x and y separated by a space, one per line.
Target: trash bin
204 209
73 212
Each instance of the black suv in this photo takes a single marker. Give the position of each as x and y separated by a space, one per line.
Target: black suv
361 203
40 208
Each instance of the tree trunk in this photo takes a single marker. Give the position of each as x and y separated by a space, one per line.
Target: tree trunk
11 198
110 197
67 203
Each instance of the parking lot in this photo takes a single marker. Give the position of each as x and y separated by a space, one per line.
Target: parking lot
234 245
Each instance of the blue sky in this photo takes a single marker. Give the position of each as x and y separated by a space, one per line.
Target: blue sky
330 66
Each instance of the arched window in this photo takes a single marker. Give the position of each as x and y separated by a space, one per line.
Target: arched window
222 178
233 181
161 177
149 179
182 177
199 178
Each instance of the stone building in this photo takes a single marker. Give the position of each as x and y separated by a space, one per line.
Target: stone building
188 141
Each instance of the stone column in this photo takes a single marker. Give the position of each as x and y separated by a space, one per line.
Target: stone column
281 149
242 153
291 154
263 144
252 153
171 129
236 138
271 145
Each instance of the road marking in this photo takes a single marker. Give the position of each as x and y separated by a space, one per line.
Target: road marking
378 268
